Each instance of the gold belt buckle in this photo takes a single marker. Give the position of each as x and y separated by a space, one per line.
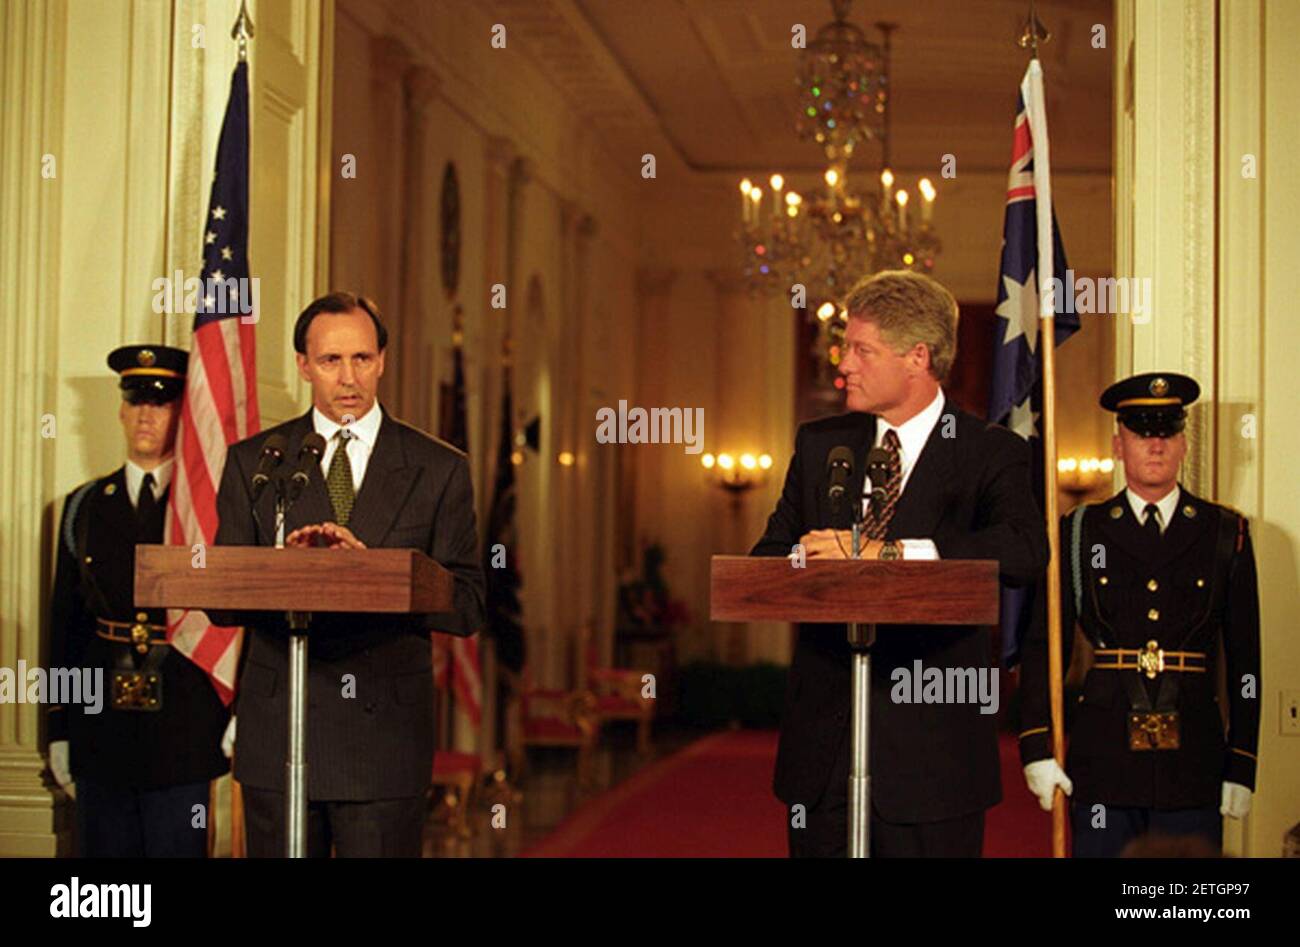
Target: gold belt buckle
140 633
1151 660
1153 731
137 690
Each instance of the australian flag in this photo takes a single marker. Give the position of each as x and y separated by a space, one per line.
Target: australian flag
1016 390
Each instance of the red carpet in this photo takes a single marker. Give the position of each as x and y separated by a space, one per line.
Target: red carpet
714 800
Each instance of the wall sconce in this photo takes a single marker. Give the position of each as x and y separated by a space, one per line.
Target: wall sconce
1081 475
737 474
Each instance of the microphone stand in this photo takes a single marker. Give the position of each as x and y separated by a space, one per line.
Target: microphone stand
295 797
861 637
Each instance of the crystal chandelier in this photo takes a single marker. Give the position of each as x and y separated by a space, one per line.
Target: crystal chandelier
828 239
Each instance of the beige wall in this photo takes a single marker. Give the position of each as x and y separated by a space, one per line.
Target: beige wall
1212 83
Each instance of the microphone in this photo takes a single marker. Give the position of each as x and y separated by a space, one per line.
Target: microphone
839 467
272 456
878 473
311 451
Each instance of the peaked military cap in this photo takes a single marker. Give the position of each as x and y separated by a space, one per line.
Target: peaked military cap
1153 404
151 374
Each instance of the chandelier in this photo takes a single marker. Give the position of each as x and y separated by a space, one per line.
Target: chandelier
828 238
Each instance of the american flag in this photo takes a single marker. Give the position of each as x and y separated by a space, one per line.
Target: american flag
220 403
1016 391
454 656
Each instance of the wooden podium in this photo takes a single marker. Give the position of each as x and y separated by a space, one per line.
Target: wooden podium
297 582
861 593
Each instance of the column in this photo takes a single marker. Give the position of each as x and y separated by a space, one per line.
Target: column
419 217
33 44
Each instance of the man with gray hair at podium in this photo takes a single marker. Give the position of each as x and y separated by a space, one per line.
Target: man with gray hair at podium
953 487
378 482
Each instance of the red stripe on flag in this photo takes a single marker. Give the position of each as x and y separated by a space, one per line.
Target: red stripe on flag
212 347
195 487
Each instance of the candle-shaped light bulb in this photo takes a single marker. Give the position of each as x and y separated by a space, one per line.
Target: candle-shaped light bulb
901 197
928 194
777 182
832 177
745 187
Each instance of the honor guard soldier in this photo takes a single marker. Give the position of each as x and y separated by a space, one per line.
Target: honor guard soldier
141 761
1162 585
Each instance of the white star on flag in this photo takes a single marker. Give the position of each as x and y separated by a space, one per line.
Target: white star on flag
1023 420
219 213
1020 309
209 237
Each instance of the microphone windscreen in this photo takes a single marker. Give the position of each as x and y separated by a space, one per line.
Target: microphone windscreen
313 443
275 444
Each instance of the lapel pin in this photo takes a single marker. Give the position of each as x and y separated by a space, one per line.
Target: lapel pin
1189 511
1116 512
110 489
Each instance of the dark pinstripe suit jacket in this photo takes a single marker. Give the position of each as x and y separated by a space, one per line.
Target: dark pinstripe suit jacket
374 741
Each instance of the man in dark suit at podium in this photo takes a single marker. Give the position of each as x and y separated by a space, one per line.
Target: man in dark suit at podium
957 488
370 725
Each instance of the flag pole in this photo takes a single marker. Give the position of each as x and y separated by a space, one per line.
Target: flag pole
1032 33
1046 335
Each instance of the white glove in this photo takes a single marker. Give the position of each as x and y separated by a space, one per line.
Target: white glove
1236 801
1043 776
59 767
228 740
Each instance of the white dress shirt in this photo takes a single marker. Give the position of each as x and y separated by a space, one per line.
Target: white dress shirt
1166 505
364 431
912 436
162 477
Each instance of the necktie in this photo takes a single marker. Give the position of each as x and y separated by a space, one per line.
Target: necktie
878 519
1152 525
146 505
339 480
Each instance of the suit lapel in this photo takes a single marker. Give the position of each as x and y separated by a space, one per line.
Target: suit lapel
383 492
922 504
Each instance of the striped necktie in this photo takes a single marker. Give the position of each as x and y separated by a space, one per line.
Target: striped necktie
339 480
878 519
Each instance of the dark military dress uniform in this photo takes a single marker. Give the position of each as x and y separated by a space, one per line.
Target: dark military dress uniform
1166 615
146 758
